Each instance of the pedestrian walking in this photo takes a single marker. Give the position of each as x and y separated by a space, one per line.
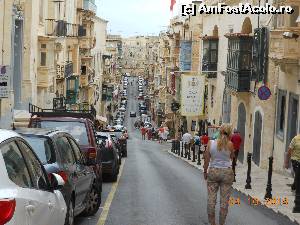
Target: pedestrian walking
160 134
236 139
219 174
149 134
165 134
186 139
294 154
143 131
197 142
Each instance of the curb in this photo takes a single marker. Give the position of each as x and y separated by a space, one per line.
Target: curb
200 167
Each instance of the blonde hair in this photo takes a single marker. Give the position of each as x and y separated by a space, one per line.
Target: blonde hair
224 136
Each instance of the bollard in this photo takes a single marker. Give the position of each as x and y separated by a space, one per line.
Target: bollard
181 149
199 156
194 153
189 152
178 147
185 151
173 146
296 208
248 180
268 194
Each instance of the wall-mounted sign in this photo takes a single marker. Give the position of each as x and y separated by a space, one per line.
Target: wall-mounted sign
192 95
4 82
264 93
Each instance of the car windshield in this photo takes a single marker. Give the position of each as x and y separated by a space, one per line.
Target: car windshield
76 129
42 148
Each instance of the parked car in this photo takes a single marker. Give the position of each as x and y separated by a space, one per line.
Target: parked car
121 143
116 142
132 114
110 156
77 123
60 153
27 193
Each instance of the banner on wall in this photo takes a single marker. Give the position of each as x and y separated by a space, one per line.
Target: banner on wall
185 58
192 95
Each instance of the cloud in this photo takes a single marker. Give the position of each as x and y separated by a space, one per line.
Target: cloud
134 17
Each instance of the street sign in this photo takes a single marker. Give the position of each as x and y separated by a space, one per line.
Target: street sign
264 93
4 82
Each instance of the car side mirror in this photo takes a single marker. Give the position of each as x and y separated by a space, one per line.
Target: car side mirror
56 181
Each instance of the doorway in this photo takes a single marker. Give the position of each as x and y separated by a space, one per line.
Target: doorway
257 138
292 118
241 128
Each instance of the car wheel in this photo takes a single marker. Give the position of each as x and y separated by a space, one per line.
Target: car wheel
70 214
93 202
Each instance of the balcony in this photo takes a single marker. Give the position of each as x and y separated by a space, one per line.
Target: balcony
71 97
44 77
84 82
239 62
86 42
237 81
89 5
283 51
72 90
60 28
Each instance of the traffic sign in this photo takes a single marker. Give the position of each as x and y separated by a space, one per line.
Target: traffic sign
264 93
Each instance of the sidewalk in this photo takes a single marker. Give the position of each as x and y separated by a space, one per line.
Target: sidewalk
280 190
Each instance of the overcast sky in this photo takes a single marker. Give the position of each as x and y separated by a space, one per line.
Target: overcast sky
136 17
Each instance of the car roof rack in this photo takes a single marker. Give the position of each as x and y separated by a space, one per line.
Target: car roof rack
63 112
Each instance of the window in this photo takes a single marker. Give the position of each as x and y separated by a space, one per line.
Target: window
15 165
83 70
280 120
42 148
64 146
43 59
44 46
76 149
36 171
210 55
294 16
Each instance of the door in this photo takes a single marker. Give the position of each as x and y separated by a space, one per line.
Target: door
45 206
241 128
68 160
84 173
226 107
257 138
18 173
292 118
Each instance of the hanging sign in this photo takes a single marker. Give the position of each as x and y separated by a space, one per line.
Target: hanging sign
264 93
4 82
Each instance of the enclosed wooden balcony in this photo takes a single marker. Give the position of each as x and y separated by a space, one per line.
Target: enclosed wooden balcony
239 62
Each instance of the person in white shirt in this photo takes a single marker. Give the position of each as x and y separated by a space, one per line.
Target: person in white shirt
186 139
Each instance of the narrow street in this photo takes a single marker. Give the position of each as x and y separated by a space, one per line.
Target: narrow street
156 188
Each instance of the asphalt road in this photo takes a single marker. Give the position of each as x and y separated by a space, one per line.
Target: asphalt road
155 188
